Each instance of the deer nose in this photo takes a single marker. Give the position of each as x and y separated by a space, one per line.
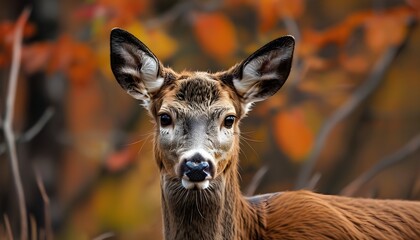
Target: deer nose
196 168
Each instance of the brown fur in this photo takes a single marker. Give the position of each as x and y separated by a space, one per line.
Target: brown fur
220 211
226 214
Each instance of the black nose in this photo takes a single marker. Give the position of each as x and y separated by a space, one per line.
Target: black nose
196 168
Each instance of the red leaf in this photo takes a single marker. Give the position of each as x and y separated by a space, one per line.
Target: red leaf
120 160
35 57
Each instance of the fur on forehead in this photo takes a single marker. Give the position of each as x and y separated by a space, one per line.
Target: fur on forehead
197 91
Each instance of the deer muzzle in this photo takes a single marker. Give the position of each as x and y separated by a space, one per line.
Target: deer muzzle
196 172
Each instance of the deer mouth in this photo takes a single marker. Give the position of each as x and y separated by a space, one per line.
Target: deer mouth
187 184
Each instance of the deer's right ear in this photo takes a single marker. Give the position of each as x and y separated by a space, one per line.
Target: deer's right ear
135 67
263 73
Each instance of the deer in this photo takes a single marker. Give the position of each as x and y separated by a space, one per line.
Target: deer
196 148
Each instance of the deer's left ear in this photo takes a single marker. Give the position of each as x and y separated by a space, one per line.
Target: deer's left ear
264 72
135 67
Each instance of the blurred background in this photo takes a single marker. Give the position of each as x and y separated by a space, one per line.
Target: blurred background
346 122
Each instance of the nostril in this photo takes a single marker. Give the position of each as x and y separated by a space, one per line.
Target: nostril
199 166
196 171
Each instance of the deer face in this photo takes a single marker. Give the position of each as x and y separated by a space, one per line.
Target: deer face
197 123
197 113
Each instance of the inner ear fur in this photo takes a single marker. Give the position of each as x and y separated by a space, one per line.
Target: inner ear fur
264 72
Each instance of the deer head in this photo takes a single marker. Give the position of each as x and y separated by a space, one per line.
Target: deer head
197 113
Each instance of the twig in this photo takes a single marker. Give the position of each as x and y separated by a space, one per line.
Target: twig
414 187
8 227
360 95
256 180
38 126
411 147
41 233
8 121
292 27
299 69
314 181
34 130
170 15
105 236
181 9
33 225
46 200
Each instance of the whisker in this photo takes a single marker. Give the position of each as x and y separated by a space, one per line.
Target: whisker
197 203
251 147
146 135
141 147
251 140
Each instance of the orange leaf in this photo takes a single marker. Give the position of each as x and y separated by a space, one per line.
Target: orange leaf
216 34
355 64
76 59
61 54
383 31
82 65
35 56
267 15
125 11
292 9
317 63
292 134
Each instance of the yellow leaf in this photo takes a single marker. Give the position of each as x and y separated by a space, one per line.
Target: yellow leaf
161 43
102 58
156 40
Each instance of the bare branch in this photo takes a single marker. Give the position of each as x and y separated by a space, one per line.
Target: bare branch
314 181
38 126
299 69
292 27
181 9
8 227
47 208
256 180
105 236
360 95
170 16
41 233
402 154
8 121
33 225
34 130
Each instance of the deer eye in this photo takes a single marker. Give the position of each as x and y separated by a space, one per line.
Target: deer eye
165 120
229 120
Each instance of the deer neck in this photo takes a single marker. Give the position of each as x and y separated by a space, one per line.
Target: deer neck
218 212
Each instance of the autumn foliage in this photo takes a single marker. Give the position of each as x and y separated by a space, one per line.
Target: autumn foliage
95 153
